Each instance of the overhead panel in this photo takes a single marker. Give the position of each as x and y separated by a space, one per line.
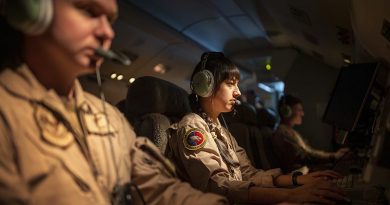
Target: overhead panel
314 26
371 25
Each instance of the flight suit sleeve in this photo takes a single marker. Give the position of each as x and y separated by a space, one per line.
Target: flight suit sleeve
155 178
285 151
304 152
257 176
204 169
308 152
13 190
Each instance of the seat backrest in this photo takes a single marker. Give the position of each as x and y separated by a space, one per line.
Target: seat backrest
242 125
121 105
152 105
265 148
256 141
267 118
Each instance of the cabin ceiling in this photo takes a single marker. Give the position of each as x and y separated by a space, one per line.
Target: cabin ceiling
250 32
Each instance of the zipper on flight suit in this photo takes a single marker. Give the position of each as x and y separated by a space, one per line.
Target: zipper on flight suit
83 143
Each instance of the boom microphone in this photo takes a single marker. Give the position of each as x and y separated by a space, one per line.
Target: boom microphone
113 56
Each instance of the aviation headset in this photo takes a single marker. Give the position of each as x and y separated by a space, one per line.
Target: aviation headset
285 109
203 82
29 16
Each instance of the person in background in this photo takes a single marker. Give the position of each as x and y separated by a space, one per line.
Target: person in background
253 99
59 144
290 148
208 156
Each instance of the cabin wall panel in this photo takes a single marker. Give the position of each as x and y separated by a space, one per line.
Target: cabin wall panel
312 81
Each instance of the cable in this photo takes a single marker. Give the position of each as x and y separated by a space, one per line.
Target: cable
139 193
103 100
224 122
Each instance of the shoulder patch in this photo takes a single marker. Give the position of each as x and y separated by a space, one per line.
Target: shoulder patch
194 139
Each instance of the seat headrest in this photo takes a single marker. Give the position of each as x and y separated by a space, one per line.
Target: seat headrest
245 113
153 95
267 117
121 105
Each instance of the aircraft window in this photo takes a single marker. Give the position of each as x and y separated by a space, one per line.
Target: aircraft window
270 92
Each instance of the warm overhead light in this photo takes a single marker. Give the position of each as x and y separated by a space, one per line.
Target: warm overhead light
131 80
120 77
160 68
346 60
113 76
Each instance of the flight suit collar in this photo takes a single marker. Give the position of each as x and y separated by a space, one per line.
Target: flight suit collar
213 126
21 81
220 133
23 84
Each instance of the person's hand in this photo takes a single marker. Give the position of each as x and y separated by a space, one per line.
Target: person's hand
340 153
319 175
319 191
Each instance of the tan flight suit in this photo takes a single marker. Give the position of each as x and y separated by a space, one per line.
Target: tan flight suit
204 166
56 151
293 152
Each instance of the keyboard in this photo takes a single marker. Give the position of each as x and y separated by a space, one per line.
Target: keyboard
350 165
359 192
348 181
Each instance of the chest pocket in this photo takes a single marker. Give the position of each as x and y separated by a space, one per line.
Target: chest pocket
97 124
102 142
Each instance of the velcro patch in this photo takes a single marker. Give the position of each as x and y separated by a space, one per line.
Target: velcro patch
194 139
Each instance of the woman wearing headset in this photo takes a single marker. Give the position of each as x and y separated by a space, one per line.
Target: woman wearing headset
289 147
208 156
59 144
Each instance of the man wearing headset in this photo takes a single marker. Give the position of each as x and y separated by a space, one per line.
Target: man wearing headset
289 147
59 144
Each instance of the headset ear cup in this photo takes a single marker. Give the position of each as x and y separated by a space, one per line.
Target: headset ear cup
29 16
203 83
285 111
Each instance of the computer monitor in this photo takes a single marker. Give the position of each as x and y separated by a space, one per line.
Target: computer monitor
377 170
349 95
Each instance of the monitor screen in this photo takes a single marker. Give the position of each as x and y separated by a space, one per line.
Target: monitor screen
349 95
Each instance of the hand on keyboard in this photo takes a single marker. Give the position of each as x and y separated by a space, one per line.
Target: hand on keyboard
328 174
341 153
320 191
346 182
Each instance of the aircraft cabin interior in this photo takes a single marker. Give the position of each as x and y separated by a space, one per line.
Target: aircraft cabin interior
334 55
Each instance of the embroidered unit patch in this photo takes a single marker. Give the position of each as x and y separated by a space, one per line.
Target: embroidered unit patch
53 131
194 139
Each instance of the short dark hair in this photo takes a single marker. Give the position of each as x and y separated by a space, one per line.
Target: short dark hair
288 100
220 66
10 44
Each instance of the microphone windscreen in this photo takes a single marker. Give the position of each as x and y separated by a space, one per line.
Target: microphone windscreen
113 56
238 102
